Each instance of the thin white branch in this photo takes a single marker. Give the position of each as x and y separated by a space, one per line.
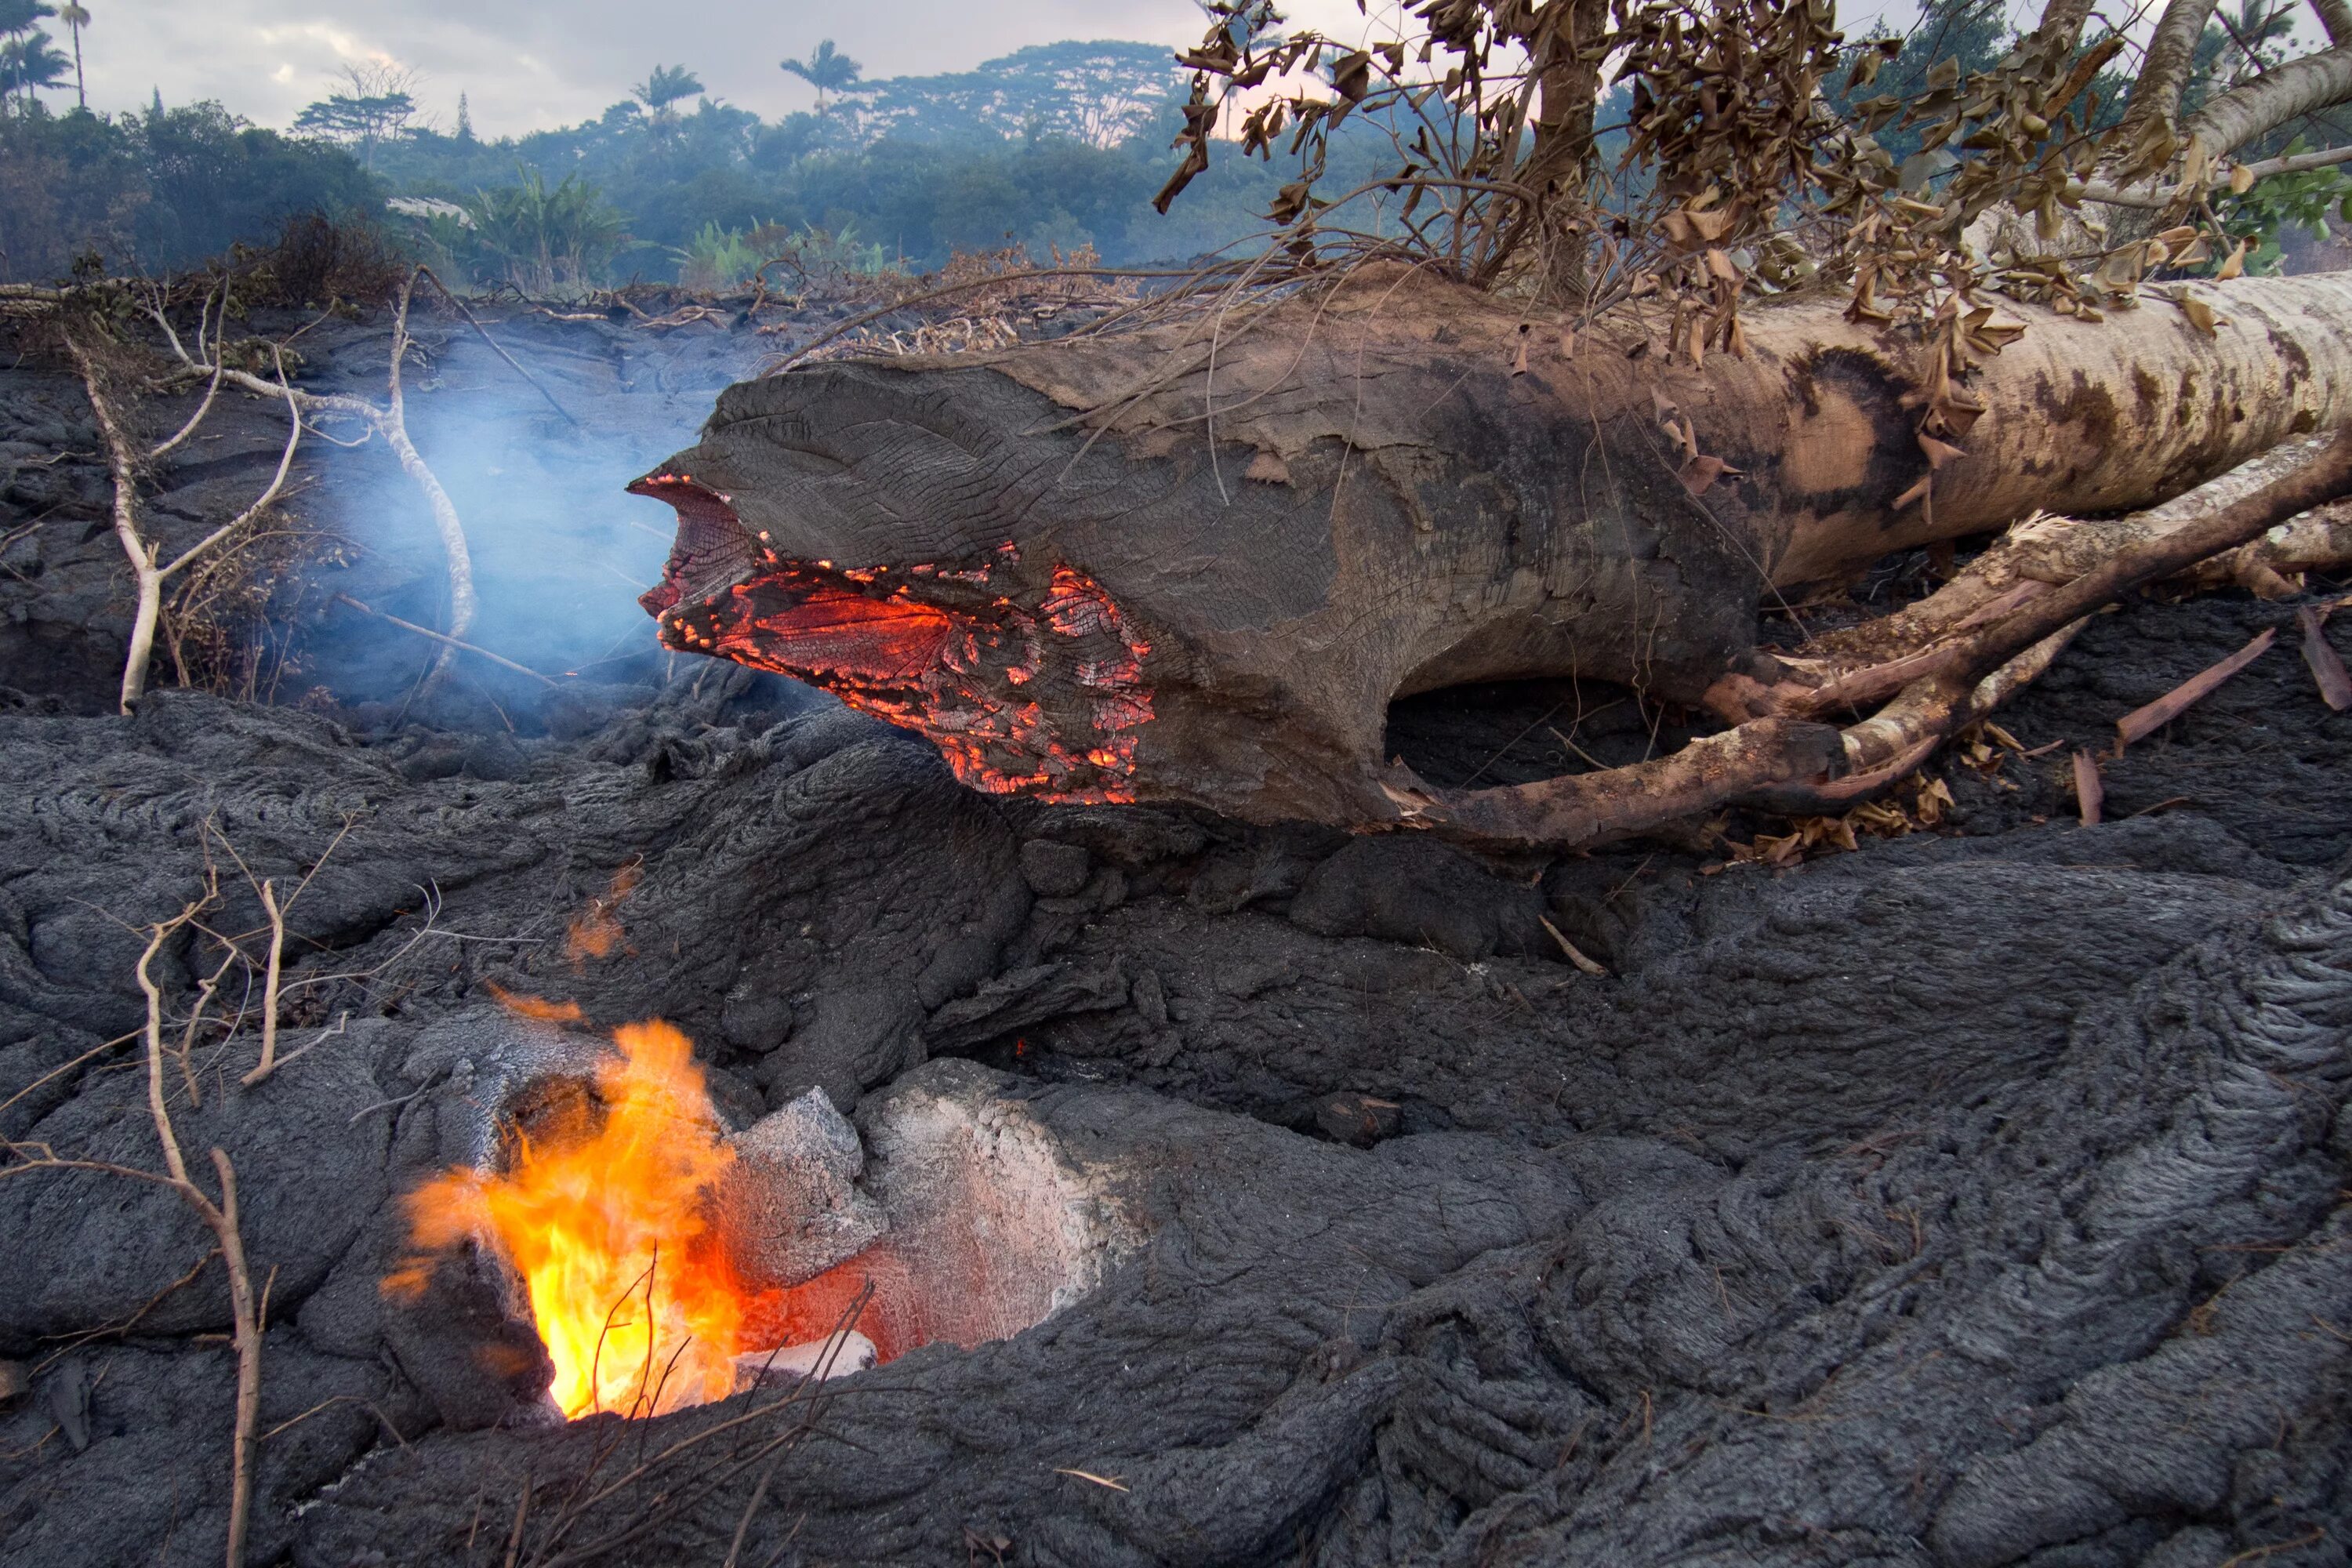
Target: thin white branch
277 482
212 387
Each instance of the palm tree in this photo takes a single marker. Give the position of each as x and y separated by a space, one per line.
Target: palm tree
18 20
27 64
663 86
76 17
827 70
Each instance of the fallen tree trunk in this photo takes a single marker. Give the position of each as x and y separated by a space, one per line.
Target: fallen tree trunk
1197 562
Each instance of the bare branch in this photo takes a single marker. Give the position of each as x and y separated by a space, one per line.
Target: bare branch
394 425
459 305
448 641
147 580
269 1061
277 482
212 387
2272 99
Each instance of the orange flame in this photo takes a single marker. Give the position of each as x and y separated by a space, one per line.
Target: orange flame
604 1217
597 931
539 1007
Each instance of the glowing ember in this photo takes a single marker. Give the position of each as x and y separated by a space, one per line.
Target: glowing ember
1033 690
604 1216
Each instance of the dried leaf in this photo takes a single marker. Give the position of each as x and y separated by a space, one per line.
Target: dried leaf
2241 180
2201 315
1702 471
1917 493
2234 265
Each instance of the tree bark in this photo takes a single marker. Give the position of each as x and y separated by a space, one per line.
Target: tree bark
1042 560
2165 69
2272 99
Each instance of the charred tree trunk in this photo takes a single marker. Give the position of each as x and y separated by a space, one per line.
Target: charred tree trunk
1169 567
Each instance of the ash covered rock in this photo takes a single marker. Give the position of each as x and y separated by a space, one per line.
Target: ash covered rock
790 1206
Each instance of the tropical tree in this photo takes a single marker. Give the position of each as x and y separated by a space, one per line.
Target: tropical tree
375 107
27 64
25 53
76 17
827 69
547 239
663 87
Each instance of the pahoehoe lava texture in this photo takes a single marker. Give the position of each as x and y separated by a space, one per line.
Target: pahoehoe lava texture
1976 1198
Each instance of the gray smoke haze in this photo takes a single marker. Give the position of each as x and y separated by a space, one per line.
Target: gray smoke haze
560 552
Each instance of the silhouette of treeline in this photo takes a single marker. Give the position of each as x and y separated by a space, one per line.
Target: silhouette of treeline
150 192
1064 146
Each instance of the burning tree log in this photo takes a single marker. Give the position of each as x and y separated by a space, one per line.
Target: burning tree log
1196 559
1214 593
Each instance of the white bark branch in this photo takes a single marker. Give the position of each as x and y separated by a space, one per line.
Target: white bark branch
2270 100
2164 69
391 423
212 387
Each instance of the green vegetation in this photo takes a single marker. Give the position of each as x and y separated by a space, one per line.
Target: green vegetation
1062 146
28 61
1056 145
1059 145
157 191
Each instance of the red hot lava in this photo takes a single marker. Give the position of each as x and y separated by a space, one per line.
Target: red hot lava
1042 699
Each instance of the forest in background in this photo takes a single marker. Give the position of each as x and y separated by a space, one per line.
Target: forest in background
1055 147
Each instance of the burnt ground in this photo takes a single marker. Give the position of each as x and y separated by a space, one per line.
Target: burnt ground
1976 1197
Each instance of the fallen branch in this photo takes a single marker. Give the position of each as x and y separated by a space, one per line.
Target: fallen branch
268 1062
391 423
219 1216
2090 795
148 573
393 426
440 637
1994 613
212 387
459 306
2141 723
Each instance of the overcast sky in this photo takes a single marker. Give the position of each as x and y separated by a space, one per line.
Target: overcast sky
529 65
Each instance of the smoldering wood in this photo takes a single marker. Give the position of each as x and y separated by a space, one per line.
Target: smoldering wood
1196 563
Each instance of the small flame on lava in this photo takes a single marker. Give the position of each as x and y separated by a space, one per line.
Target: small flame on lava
535 1007
603 1216
597 931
